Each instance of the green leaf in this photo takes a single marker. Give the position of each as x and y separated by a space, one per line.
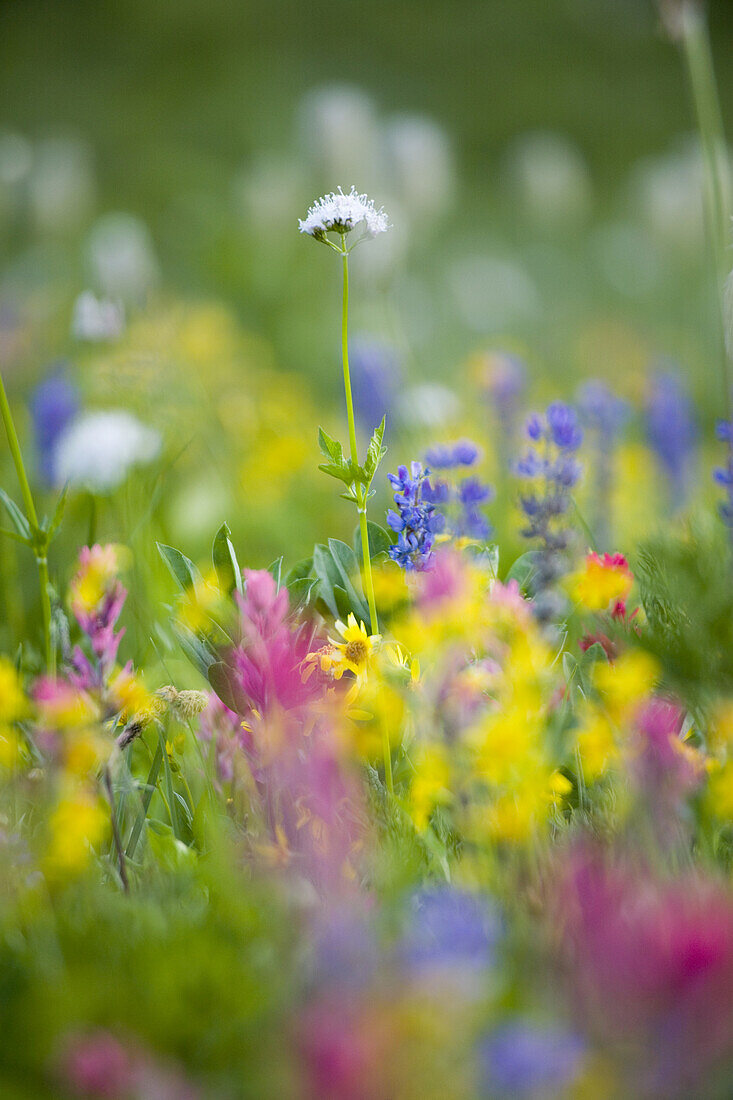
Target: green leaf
58 513
18 520
15 536
348 568
327 574
199 653
148 792
225 562
300 592
380 541
223 680
523 570
182 570
301 569
341 473
330 448
172 805
275 568
375 451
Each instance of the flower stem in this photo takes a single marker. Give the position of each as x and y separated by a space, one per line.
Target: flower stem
361 492
699 59
39 548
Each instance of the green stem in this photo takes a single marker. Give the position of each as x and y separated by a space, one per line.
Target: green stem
32 516
698 55
361 492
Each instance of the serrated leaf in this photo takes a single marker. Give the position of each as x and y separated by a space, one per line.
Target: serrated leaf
375 451
330 447
341 473
225 562
181 568
18 520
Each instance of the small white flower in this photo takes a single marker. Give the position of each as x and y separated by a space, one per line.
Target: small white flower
97 318
342 213
98 450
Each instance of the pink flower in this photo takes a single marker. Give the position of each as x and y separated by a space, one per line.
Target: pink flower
651 965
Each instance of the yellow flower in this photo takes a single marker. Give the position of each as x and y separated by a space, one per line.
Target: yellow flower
720 791
130 697
596 743
430 784
10 747
13 703
604 581
720 727
77 824
626 682
354 653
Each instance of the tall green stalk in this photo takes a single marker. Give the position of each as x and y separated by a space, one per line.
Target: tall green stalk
695 42
361 492
40 544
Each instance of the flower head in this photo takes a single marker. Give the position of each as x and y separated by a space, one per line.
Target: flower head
341 213
354 653
99 449
603 581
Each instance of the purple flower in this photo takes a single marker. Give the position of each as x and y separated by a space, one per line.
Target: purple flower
521 1059
54 404
375 378
550 470
415 522
671 431
450 927
443 456
565 431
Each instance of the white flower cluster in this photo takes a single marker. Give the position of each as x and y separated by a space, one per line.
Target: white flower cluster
98 450
97 318
342 213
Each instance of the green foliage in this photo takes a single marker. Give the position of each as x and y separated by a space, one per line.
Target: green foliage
686 584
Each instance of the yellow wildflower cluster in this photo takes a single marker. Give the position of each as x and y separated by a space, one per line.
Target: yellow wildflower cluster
77 824
13 707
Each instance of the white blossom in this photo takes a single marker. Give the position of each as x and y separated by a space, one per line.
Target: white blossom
97 318
342 213
98 450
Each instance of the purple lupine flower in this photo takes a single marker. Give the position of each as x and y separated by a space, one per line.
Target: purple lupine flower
550 470
415 522
460 503
503 379
672 432
444 456
54 404
522 1059
604 415
723 475
376 375
450 927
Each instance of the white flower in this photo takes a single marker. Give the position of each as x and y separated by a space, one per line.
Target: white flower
97 318
341 213
98 450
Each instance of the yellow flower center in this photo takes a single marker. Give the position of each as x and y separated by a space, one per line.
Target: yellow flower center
356 652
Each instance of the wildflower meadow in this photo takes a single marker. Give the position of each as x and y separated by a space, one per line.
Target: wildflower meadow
366 560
